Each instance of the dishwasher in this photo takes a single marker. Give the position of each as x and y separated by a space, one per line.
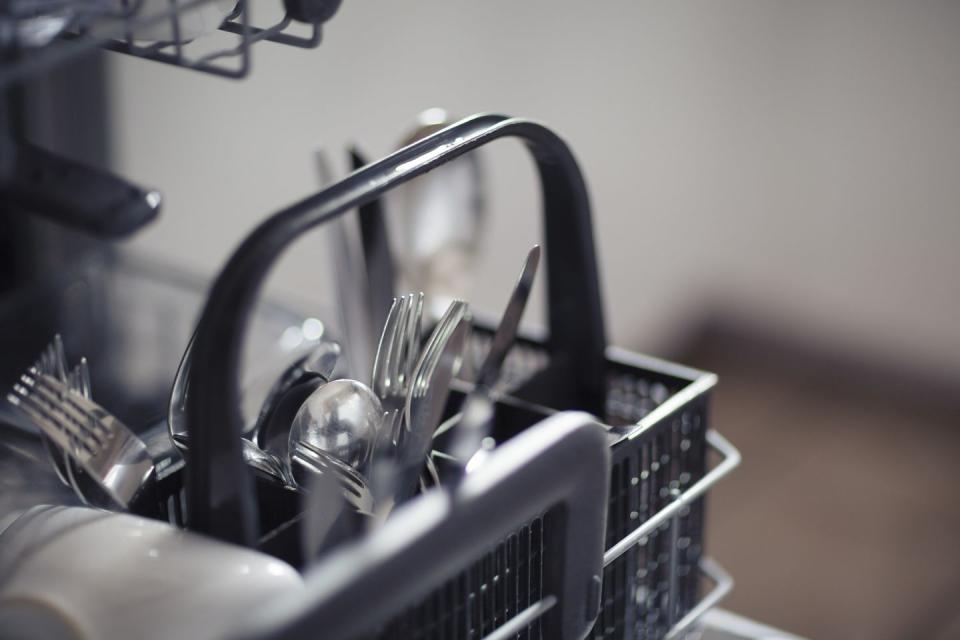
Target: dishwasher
585 515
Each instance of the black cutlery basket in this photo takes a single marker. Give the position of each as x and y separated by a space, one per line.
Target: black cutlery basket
655 416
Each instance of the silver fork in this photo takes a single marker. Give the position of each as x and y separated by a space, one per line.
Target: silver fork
427 396
113 456
393 367
315 460
53 361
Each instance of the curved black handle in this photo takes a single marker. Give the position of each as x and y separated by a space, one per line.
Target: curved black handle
219 490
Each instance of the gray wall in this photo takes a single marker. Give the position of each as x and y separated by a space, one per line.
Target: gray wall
789 164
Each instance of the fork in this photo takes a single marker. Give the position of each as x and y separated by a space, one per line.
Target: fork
113 456
317 461
427 395
53 361
393 367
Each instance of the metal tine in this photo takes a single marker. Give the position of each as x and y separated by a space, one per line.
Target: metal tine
434 349
52 360
50 426
78 409
78 382
81 379
60 358
322 463
79 386
58 396
116 459
386 340
45 410
413 337
398 348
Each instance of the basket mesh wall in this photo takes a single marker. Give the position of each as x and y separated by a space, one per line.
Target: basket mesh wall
643 593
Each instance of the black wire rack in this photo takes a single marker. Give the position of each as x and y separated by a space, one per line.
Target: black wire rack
514 581
209 36
214 37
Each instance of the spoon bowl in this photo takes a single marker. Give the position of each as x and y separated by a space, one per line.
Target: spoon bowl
340 418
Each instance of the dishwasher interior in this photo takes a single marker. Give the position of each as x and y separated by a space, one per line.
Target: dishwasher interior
579 511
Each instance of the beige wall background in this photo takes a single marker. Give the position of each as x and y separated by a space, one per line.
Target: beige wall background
793 165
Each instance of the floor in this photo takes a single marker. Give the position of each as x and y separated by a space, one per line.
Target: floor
844 519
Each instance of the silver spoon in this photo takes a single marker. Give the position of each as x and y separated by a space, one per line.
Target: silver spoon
341 418
319 362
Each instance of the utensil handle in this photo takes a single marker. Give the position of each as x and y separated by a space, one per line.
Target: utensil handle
219 488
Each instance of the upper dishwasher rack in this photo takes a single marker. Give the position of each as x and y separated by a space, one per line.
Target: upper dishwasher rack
211 36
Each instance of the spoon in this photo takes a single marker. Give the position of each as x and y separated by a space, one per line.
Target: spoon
340 418
318 363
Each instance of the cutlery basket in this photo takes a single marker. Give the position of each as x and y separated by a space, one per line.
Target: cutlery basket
517 584
656 416
656 419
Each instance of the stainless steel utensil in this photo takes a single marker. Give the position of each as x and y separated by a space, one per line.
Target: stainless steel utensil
323 505
53 362
318 363
265 462
113 456
307 461
272 429
393 368
377 255
477 410
428 393
351 283
340 418
441 219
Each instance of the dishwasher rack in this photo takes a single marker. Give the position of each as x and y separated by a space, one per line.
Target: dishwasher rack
35 41
36 35
637 572
656 430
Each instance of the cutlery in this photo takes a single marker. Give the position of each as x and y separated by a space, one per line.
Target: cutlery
323 507
318 364
477 410
307 461
264 462
393 368
53 361
378 259
427 397
110 453
272 429
340 418
274 436
351 282
337 503
441 219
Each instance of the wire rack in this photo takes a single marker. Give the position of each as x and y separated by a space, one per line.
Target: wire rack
657 416
639 570
210 36
595 530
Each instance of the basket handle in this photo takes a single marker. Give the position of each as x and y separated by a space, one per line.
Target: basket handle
219 488
560 466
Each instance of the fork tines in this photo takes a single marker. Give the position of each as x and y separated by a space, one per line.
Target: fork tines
60 411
